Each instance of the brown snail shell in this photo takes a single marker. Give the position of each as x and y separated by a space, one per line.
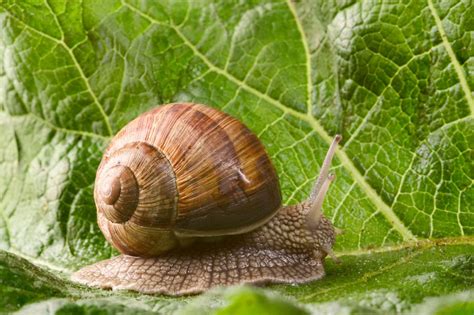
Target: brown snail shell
182 170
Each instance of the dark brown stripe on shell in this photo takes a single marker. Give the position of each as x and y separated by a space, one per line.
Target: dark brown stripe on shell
244 195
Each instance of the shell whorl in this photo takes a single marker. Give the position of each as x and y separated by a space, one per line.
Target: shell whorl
133 182
135 194
119 190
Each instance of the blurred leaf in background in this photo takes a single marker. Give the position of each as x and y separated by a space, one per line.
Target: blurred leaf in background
395 79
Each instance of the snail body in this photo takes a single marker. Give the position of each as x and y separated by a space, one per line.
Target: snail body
185 174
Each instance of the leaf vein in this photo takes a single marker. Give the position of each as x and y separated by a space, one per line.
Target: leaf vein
76 64
343 157
449 49
309 84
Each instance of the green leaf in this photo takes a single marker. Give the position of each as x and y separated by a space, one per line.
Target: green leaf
394 281
395 79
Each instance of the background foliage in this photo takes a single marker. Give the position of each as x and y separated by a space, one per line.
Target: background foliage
394 78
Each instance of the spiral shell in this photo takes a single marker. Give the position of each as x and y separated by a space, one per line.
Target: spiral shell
182 170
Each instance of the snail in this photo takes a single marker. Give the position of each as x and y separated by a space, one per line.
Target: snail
190 198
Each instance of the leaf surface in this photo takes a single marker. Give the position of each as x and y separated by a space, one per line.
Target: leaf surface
394 79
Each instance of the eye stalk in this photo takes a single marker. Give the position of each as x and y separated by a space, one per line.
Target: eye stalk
323 173
321 187
315 213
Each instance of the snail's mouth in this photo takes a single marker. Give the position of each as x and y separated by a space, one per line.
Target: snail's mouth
325 238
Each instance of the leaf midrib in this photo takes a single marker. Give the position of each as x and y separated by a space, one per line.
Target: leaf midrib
309 85
454 60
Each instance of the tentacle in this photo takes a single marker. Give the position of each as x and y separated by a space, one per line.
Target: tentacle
323 173
331 254
314 213
338 231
